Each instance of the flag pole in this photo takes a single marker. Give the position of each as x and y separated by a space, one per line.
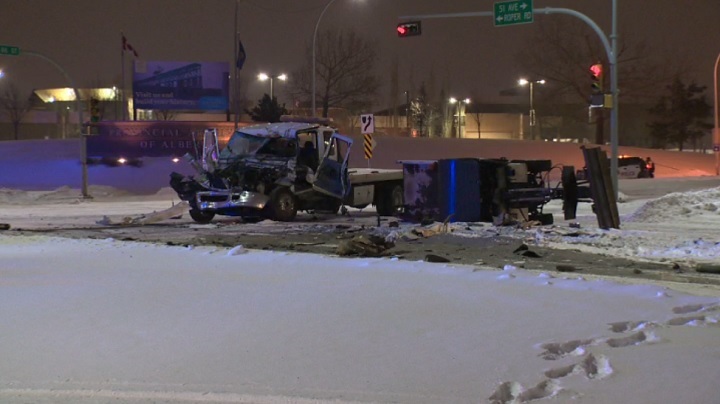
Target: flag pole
236 104
122 68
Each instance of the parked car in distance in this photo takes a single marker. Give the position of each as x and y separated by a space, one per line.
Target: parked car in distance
628 167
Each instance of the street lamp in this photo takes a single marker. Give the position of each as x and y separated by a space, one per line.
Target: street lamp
533 122
317 24
263 77
313 73
459 103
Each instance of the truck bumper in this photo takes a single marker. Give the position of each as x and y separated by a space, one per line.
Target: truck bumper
219 200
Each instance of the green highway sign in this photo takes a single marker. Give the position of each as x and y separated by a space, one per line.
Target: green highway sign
9 50
513 12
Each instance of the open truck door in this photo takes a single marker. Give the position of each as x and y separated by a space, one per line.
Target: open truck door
331 177
211 150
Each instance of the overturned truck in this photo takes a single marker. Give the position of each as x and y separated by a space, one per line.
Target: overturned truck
488 190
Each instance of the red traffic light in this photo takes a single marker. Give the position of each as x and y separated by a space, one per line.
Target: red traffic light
596 72
408 28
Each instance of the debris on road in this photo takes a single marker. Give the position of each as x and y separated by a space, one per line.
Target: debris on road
434 229
364 246
435 258
154 217
565 268
708 268
525 251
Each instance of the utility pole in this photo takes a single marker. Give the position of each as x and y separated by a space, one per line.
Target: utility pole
78 106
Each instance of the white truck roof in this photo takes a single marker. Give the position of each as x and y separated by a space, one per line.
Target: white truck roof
287 129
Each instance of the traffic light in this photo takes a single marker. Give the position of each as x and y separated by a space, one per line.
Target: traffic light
408 29
94 109
596 73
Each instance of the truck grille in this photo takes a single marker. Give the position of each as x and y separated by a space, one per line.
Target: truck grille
213 198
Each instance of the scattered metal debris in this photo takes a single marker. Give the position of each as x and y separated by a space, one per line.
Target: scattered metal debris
566 268
364 246
154 217
435 258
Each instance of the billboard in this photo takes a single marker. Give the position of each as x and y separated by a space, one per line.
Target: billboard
138 139
194 86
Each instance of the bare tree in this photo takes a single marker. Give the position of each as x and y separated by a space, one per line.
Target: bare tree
562 51
345 63
426 115
14 106
474 112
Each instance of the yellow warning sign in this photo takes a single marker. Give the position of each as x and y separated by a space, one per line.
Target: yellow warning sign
368 145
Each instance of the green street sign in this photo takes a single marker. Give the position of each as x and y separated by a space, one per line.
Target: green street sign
9 50
513 12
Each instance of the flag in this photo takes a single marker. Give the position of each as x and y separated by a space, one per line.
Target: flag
240 56
127 47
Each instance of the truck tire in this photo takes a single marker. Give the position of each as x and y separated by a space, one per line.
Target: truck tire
201 217
390 200
282 205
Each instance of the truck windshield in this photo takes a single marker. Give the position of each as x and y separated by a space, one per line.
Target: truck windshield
241 144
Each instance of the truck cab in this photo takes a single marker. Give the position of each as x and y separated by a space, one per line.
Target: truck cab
268 170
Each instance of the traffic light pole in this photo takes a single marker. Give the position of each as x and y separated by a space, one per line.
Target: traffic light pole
611 52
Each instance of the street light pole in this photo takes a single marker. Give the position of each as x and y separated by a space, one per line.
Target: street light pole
532 108
459 109
263 77
78 107
317 24
236 101
533 121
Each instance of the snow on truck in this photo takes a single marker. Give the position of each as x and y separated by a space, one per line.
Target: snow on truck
275 170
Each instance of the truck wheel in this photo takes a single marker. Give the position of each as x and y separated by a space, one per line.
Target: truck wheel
201 217
390 201
283 206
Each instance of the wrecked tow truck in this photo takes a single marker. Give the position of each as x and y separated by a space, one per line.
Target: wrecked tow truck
275 170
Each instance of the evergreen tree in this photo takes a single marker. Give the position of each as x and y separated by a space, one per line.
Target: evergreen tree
267 110
681 115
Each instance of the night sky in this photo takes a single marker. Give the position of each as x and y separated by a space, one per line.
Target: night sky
469 54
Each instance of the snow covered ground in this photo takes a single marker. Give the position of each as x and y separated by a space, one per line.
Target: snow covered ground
98 321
